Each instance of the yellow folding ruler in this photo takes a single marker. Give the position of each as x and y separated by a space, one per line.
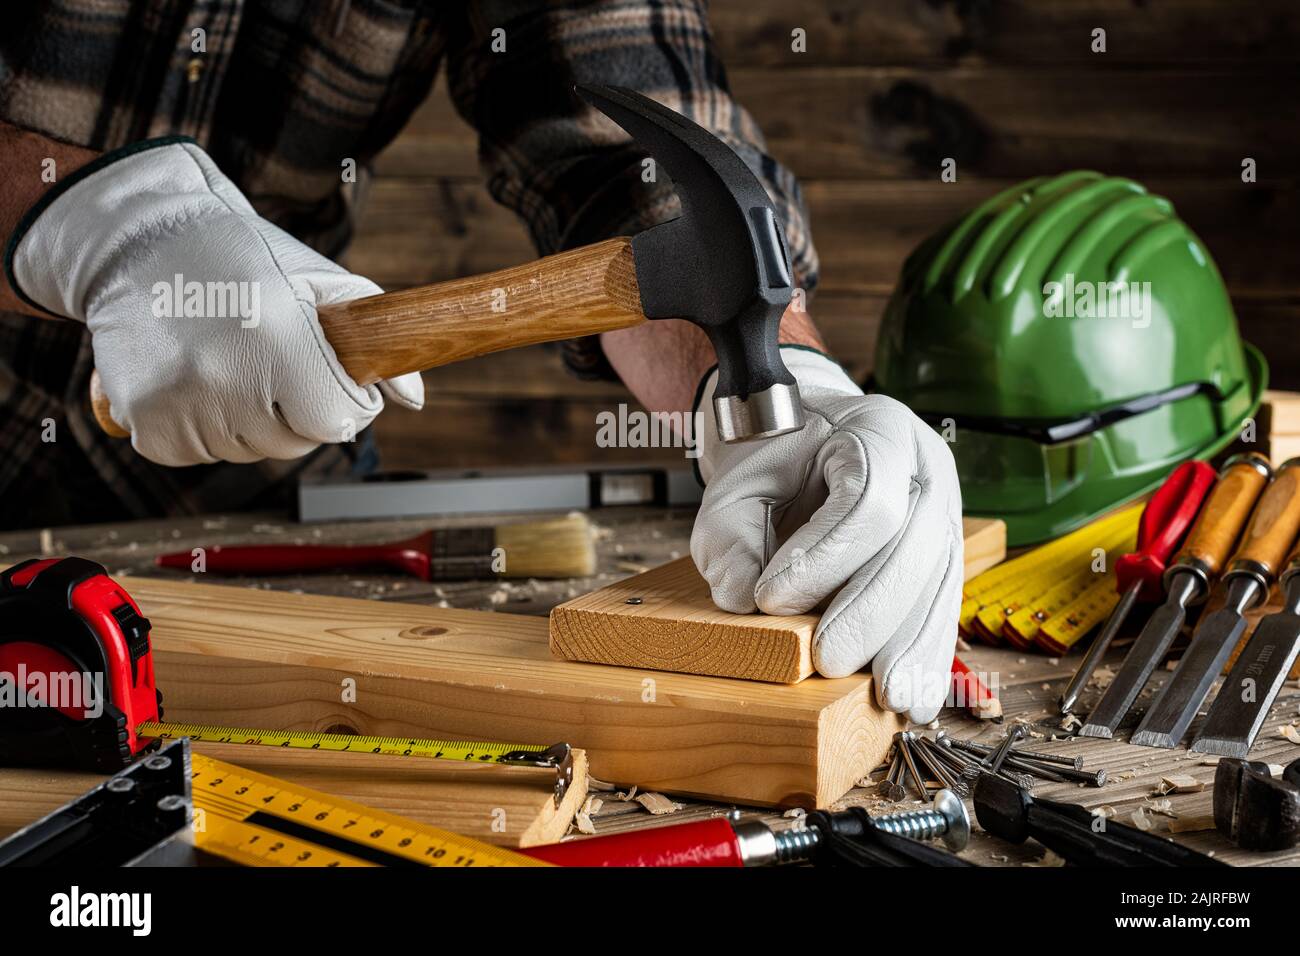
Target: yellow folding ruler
1050 596
254 819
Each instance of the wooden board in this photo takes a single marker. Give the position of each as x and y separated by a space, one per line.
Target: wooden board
249 657
676 627
508 806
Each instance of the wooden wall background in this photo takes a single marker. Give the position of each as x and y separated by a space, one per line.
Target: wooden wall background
1187 89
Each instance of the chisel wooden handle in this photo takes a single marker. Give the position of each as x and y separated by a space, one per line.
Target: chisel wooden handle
579 292
1225 512
1273 526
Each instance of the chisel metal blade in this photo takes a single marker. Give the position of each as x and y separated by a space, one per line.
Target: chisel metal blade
1173 709
1161 629
1251 687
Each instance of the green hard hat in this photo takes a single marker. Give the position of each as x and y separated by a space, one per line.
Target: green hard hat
1073 340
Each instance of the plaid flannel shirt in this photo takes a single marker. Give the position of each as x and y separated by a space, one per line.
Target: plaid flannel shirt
280 93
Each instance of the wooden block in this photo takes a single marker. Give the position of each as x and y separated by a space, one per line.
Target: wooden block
508 806
243 656
676 627
1283 413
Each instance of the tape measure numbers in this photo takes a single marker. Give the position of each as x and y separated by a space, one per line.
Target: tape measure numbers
254 819
558 757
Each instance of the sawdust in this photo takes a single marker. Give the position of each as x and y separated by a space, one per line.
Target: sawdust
1178 783
658 804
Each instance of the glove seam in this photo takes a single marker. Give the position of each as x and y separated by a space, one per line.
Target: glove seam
704 380
28 220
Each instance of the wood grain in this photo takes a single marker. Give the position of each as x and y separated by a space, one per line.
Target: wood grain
508 806
242 656
674 626
573 293
1222 518
1274 523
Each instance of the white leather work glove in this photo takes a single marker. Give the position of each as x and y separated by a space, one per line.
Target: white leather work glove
230 378
867 501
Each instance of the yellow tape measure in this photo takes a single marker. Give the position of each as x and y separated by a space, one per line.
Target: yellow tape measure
254 819
557 757
1050 596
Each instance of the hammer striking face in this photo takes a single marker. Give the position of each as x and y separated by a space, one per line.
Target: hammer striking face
721 264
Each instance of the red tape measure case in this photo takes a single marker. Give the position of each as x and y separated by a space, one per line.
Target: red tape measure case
76 668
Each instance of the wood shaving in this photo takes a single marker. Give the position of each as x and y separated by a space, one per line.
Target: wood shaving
1290 732
1209 762
1102 677
1179 783
1190 824
1125 775
962 645
1141 820
625 797
582 819
795 813
1104 811
1163 807
1275 769
1070 722
1048 859
603 786
499 596
657 803
1055 662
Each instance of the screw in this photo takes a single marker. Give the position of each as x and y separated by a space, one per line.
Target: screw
120 785
947 817
173 801
158 762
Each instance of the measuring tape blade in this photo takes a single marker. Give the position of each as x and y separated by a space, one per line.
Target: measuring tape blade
558 757
254 819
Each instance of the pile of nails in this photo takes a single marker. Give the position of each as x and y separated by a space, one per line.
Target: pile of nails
924 765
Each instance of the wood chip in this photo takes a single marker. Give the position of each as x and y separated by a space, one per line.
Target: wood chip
1290 732
1141 820
1104 811
1179 783
1191 824
657 803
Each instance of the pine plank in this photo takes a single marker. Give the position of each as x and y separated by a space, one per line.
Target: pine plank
674 625
507 806
249 657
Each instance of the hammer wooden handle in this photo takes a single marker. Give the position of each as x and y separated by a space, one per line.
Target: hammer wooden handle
580 292
1221 519
1274 525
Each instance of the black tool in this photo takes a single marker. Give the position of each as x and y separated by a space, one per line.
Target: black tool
1187 582
1254 567
1072 831
1254 809
139 817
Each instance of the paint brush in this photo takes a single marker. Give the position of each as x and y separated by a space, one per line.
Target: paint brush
557 548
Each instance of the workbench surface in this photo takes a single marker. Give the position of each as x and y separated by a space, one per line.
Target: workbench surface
633 540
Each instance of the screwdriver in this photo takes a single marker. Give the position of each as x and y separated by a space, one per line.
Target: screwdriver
1250 575
1165 520
1187 581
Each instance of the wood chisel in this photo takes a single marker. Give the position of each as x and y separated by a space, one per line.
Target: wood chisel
1187 581
1250 575
1253 684
1138 575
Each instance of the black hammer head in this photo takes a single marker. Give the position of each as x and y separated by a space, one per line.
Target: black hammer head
722 264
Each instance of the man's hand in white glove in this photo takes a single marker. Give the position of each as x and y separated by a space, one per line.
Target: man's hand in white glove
866 497
240 373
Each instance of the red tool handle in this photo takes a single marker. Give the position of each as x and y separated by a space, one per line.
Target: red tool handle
410 557
1165 520
704 843
970 693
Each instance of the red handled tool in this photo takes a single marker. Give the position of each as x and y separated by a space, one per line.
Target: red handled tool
74 649
1139 576
969 692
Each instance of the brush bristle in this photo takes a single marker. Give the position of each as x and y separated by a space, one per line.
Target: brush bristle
557 548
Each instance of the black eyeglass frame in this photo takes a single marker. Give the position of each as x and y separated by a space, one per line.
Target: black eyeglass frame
1054 431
